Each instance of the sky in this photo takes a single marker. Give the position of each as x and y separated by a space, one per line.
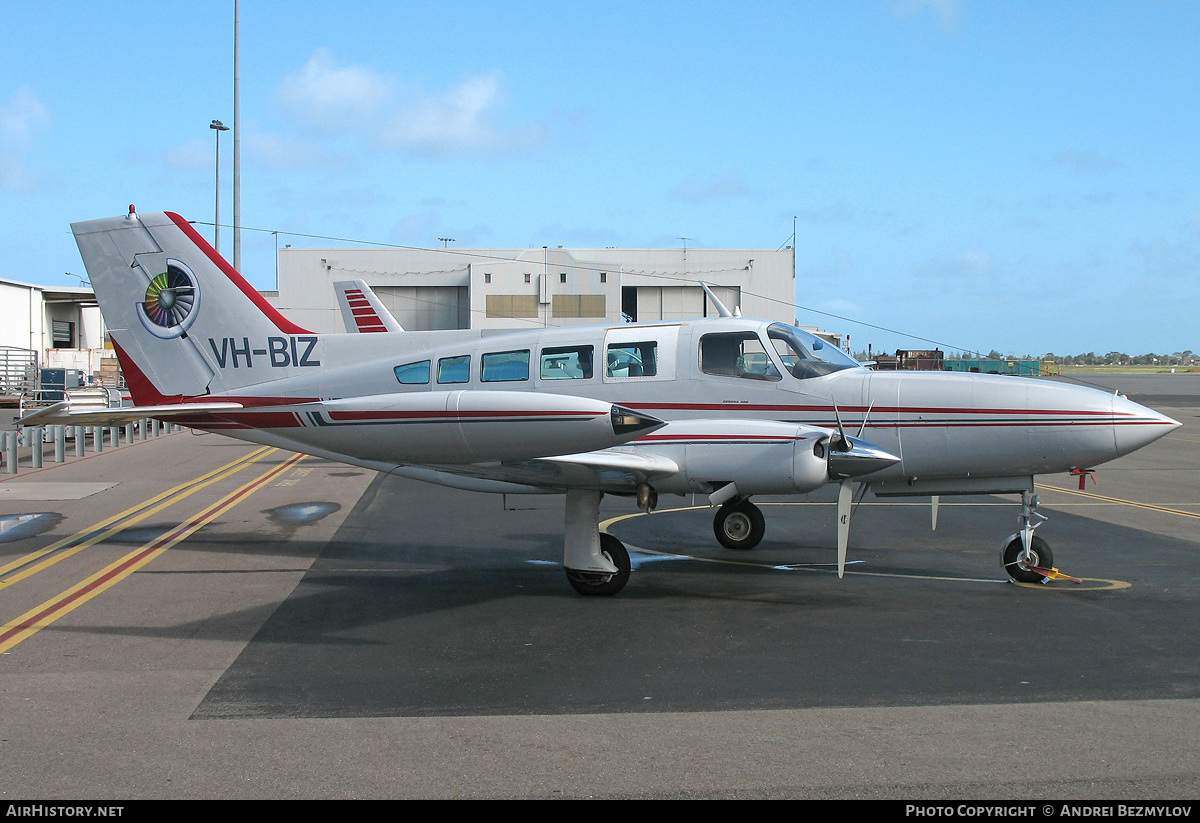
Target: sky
1019 176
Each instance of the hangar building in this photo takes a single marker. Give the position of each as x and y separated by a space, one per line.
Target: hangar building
428 289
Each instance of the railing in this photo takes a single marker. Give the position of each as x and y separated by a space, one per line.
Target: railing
18 371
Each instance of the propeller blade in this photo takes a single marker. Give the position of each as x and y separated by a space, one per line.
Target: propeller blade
845 493
863 427
843 443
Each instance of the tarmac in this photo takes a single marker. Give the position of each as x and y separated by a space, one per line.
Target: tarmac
194 617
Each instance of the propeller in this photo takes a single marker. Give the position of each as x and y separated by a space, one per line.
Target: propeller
848 458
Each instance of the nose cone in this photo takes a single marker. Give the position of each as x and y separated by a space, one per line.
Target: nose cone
627 423
1136 426
861 458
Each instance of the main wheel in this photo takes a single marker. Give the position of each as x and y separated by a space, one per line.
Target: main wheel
739 525
1018 569
595 584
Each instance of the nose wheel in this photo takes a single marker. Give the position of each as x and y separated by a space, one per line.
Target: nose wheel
739 525
1031 566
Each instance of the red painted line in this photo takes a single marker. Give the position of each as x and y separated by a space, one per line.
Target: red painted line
65 603
856 409
442 416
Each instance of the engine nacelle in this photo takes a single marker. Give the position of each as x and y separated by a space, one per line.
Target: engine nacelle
758 456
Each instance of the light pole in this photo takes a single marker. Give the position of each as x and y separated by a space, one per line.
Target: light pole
446 241
218 127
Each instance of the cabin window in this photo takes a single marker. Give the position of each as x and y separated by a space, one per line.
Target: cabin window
412 374
504 366
566 363
454 369
638 359
736 354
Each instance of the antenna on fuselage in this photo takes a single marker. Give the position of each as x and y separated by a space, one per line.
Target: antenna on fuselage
721 310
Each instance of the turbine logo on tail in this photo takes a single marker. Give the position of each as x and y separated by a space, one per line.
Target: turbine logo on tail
172 302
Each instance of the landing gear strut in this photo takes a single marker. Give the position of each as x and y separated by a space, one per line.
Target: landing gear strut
739 524
596 564
1025 556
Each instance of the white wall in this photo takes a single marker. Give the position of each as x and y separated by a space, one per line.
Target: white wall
449 288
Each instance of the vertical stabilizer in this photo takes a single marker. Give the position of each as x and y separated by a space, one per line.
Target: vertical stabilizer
183 322
361 309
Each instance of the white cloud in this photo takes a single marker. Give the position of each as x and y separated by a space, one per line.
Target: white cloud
332 98
20 121
461 120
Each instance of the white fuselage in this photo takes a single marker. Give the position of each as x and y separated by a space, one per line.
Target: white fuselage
941 425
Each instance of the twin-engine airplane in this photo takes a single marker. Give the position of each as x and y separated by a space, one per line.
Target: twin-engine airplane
725 407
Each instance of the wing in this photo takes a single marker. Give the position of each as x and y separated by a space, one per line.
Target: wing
618 472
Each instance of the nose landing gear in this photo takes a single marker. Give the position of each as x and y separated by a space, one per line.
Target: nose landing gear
1027 558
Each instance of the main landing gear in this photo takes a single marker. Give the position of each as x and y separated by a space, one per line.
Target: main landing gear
739 524
596 564
602 584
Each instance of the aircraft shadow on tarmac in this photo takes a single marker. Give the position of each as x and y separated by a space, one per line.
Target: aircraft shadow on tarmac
449 626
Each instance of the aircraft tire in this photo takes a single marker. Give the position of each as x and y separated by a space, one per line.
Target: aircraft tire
1019 571
739 526
594 585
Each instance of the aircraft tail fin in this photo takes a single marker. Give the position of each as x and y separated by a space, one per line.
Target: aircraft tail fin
361 309
183 322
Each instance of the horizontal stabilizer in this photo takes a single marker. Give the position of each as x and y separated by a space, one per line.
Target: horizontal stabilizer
62 413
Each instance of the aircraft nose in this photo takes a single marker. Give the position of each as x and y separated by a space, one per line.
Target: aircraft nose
1137 426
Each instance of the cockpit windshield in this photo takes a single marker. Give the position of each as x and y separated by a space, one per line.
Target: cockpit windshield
806 355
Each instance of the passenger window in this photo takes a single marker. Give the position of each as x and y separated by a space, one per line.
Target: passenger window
737 354
504 366
566 363
413 373
632 359
454 369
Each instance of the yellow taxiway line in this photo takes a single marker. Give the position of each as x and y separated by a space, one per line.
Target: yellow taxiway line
100 531
47 613
1118 501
